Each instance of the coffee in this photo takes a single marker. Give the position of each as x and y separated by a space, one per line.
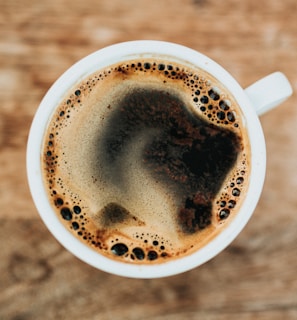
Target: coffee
146 160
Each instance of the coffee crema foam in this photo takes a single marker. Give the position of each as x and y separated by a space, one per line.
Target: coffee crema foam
146 161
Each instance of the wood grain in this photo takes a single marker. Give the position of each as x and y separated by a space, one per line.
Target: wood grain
255 278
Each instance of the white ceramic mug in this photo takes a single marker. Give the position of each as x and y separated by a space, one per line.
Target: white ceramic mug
253 101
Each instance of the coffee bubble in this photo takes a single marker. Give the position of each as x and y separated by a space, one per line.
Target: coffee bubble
77 209
75 225
213 94
146 160
138 253
66 213
119 249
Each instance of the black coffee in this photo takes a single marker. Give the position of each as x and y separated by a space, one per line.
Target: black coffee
146 161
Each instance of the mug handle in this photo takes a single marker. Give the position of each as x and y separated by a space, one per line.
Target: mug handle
268 92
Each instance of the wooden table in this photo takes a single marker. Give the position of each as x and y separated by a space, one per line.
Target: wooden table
255 278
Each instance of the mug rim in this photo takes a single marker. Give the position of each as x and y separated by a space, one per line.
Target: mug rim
88 65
